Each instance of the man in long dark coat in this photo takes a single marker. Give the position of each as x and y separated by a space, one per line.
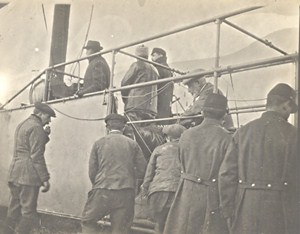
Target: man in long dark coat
140 103
259 177
116 162
28 171
97 74
202 148
164 90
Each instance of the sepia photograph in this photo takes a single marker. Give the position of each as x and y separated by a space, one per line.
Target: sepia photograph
149 117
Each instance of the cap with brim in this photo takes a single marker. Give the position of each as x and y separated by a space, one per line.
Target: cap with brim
187 81
287 93
216 102
158 51
115 118
94 45
174 131
45 109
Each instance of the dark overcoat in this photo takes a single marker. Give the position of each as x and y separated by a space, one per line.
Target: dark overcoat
258 179
28 166
164 90
97 75
196 205
142 98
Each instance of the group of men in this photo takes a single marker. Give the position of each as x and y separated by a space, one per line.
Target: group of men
203 180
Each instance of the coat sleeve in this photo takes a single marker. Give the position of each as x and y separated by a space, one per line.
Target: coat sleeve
37 142
140 163
228 178
150 171
128 79
99 78
93 163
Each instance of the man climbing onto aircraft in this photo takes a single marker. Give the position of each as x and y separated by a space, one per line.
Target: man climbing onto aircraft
200 89
140 103
28 171
164 90
115 163
97 75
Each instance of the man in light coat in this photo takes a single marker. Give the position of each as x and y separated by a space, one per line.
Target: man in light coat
115 163
28 171
259 177
202 148
200 89
140 103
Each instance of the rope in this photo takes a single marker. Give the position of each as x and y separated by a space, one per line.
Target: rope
237 114
45 21
85 39
72 117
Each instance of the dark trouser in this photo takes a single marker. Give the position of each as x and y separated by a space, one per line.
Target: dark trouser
101 202
22 208
160 203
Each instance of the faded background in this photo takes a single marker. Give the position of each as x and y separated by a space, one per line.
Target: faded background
25 38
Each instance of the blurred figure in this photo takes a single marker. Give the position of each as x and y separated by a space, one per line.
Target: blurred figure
97 75
28 170
202 148
140 103
200 89
164 90
162 176
259 178
115 163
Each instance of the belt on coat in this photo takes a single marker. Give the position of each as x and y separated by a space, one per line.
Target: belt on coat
263 186
212 189
197 179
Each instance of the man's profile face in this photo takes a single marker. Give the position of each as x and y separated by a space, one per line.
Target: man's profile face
89 52
193 87
46 118
155 56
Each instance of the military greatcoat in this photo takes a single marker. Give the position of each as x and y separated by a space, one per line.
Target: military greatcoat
259 186
196 205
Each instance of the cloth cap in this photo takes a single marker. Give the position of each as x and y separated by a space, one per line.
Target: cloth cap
159 51
287 92
94 45
115 118
45 108
215 101
142 51
186 81
174 131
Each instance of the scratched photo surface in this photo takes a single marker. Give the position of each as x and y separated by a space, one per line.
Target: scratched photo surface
254 45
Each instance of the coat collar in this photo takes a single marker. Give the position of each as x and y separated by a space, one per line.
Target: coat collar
208 121
37 118
272 115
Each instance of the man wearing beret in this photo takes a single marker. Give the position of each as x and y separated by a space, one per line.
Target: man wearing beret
97 75
162 176
200 89
140 103
196 205
115 163
259 177
164 90
28 171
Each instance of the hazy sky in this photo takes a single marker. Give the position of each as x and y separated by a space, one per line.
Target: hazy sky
25 41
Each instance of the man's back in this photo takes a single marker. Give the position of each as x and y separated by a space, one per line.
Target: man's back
115 162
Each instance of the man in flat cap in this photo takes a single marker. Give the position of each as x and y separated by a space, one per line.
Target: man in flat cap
28 170
140 103
164 90
196 205
97 75
162 176
259 177
200 89
115 163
